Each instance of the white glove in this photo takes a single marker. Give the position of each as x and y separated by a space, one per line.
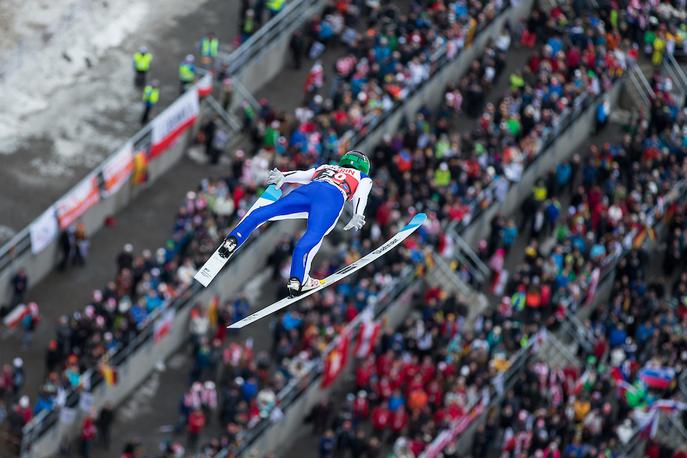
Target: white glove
276 178
357 222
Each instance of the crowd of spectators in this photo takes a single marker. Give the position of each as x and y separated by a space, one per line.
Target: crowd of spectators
419 379
634 361
586 410
305 331
388 56
425 166
658 28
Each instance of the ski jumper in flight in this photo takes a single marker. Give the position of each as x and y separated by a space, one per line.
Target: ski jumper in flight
322 197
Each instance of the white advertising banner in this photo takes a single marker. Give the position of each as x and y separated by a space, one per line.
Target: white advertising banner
44 230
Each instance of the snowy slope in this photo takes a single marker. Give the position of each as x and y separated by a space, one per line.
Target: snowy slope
65 65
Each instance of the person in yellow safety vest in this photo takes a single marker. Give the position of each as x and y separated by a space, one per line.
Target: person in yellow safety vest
142 60
275 7
659 47
209 47
187 73
248 26
539 191
516 81
151 95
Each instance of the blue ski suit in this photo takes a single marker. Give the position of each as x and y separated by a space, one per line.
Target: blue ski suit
321 199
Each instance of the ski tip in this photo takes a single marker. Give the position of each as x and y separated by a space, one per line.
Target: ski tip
271 193
417 220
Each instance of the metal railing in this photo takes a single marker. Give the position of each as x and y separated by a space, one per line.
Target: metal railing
295 388
467 257
640 84
450 276
290 18
42 422
673 70
20 244
503 381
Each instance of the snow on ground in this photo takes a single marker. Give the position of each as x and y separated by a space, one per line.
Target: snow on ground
65 65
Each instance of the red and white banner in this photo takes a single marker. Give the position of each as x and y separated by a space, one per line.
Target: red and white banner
336 360
118 168
367 337
15 316
163 325
174 121
43 230
82 197
204 85
449 435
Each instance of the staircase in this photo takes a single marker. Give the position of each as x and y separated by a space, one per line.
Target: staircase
672 70
638 88
557 354
442 275
467 258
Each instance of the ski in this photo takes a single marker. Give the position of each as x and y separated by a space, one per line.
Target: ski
215 263
345 271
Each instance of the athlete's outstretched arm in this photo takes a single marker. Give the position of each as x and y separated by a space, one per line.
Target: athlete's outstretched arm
299 176
360 197
278 178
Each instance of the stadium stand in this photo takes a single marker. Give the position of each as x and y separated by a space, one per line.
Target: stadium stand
436 368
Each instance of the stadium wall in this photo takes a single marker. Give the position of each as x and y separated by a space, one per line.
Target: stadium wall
39 265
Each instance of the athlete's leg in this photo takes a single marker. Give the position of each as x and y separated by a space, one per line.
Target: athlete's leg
294 202
325 209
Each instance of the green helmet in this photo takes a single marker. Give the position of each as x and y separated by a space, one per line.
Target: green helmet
355 160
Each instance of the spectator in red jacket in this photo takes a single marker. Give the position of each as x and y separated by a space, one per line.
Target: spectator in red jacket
194 427
361 406
399 420
381 417
88 432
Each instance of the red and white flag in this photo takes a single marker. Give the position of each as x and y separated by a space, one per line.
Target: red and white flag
15 316
204 85
335 361
367 337
163 325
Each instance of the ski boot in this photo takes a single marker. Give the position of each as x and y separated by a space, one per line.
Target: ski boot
296 288
228 246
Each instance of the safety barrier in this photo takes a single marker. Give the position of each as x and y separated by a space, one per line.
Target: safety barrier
105 190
